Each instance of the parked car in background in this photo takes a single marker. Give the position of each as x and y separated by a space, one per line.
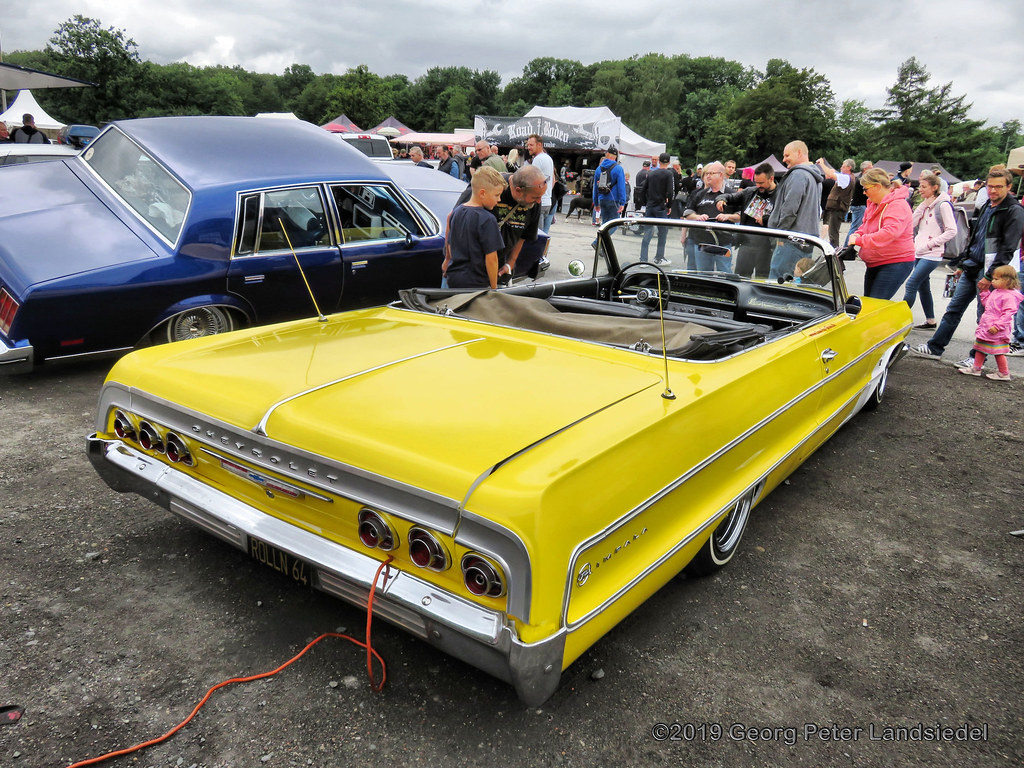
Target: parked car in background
669 401
172 228
19 154
370 144
77 136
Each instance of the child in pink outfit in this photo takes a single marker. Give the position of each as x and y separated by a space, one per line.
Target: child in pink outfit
996 323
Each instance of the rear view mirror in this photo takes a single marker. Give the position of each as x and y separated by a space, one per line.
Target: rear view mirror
853 306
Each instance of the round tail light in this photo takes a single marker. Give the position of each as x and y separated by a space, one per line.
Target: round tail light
177 451
481 577
123 426
149 438
375 532
426 551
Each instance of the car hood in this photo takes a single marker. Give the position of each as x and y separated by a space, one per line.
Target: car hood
52 225
425 400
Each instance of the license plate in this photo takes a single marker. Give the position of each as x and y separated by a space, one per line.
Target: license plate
282 562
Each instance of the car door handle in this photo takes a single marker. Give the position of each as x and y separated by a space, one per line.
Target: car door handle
829 355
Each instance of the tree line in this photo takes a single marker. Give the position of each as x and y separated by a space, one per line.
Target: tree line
702 107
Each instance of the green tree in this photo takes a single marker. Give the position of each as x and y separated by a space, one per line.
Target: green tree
787 104
82 48
929 124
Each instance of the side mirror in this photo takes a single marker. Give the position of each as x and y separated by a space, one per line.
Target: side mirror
410 241
853 306
577 268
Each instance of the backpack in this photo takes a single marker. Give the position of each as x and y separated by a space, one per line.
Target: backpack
954 247
604 180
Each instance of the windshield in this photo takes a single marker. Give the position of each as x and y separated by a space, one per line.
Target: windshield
726 250
141 182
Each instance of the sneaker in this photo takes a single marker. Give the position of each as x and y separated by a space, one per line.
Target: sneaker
662 261
1016 350
925 351
970 371
926 327
967 362
1000 376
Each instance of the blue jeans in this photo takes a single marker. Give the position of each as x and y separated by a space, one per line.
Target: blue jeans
856 217
548 218
709 259
919 285
609 210
965 292
784 259
654 212
883 282
1018 326
690 251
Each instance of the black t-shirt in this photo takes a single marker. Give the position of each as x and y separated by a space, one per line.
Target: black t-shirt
472 234
516 222
704 201
661 187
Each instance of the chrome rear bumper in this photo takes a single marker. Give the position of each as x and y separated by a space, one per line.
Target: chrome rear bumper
458 627
16 359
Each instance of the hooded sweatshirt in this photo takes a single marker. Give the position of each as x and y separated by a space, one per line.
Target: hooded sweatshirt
618 193
798 201
886 236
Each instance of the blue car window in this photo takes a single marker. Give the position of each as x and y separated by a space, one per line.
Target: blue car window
297 212
145 186
372 212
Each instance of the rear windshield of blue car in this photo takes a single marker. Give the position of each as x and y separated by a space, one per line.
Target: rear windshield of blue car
141 182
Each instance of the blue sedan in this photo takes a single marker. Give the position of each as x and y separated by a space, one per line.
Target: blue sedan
181 227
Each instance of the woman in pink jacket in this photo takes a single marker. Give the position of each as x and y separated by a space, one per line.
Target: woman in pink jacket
886 236
934 225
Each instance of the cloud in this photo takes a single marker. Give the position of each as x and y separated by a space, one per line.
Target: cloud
858 47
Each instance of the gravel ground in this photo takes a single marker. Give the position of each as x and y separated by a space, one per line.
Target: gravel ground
878 589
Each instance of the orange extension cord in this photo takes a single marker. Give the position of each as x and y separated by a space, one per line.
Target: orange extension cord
370 656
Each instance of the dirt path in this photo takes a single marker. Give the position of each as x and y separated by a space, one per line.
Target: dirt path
878 590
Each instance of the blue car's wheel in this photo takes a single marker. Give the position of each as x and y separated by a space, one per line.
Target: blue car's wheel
199 322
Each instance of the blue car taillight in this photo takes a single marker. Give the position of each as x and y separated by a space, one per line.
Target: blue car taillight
8 309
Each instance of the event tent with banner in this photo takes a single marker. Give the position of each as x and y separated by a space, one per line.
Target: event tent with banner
26 103
573 129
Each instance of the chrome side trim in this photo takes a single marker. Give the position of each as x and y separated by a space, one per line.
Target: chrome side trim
650 501
260 428
479 636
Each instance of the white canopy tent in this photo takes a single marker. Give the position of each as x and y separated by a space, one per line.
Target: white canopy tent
633 148
25 102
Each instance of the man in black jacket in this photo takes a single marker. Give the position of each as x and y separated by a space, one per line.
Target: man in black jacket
754 204
997 232
660 188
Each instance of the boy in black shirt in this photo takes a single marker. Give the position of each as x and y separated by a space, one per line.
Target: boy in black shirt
473 238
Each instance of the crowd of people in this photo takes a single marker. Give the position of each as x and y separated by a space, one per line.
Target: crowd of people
902 227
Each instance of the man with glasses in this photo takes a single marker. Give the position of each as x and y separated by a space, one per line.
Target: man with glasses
995 237
484 156
518 212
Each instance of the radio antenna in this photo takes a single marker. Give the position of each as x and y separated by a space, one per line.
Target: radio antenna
668 394
301 270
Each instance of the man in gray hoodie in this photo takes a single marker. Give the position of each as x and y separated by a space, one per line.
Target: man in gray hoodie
797 207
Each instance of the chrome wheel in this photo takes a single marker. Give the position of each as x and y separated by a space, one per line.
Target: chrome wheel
197 323
724 541
876 397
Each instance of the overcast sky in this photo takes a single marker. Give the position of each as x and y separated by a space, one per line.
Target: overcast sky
858 46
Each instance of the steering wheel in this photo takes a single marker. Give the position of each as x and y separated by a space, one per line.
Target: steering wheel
644 296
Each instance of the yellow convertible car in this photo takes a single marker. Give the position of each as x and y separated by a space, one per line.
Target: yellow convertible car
535 461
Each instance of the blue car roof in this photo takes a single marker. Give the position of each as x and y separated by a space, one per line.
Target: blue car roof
209 152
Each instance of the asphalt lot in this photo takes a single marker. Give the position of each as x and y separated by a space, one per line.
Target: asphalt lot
875 602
